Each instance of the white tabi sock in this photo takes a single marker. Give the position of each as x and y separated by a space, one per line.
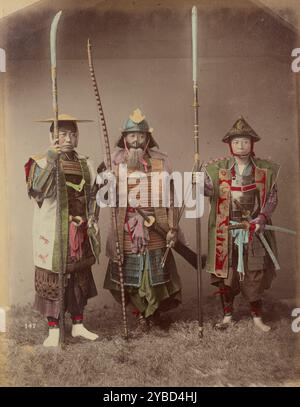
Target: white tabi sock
53 338
259 323
225 323
227 319
80 330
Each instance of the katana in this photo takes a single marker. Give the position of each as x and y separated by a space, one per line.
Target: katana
150 222
61 263
182 209
246 226
102 122
197 164
261 237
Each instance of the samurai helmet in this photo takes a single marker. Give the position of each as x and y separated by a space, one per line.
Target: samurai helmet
136 123
241 128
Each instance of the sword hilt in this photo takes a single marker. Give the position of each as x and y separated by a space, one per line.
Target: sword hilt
165 256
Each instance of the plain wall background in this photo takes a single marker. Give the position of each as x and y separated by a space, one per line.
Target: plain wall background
143 59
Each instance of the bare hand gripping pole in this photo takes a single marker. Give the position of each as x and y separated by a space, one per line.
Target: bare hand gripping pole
197 164
109 167
53 32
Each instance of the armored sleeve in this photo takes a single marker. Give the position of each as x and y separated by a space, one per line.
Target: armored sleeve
271 203
208 185
173 212
94 208
40 181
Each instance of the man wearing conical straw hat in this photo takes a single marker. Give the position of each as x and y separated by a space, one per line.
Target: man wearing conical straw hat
243 192
80 237
149 287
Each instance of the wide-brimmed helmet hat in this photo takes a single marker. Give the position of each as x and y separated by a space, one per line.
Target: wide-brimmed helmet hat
63 119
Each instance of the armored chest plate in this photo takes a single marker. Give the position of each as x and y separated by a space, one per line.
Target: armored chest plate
244 196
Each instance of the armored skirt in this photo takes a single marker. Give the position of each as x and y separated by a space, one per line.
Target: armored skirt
148 287
79 287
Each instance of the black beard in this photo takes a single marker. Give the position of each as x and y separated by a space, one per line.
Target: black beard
134 157
136 145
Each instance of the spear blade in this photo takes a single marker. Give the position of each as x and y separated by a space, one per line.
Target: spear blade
53 35
195 41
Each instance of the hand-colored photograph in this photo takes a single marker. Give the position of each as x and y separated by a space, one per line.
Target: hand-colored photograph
149 193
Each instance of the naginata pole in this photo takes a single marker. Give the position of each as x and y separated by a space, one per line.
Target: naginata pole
61 270
197 165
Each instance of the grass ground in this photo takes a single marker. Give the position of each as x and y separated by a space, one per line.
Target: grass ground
174 356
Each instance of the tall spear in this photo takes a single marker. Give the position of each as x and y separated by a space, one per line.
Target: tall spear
197 165
109 167
53 32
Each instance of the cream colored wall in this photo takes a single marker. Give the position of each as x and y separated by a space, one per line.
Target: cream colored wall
11 6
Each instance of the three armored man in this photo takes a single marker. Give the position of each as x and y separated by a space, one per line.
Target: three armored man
242 191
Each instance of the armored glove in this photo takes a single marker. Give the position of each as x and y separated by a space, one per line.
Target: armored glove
171 238
259 222
52 154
